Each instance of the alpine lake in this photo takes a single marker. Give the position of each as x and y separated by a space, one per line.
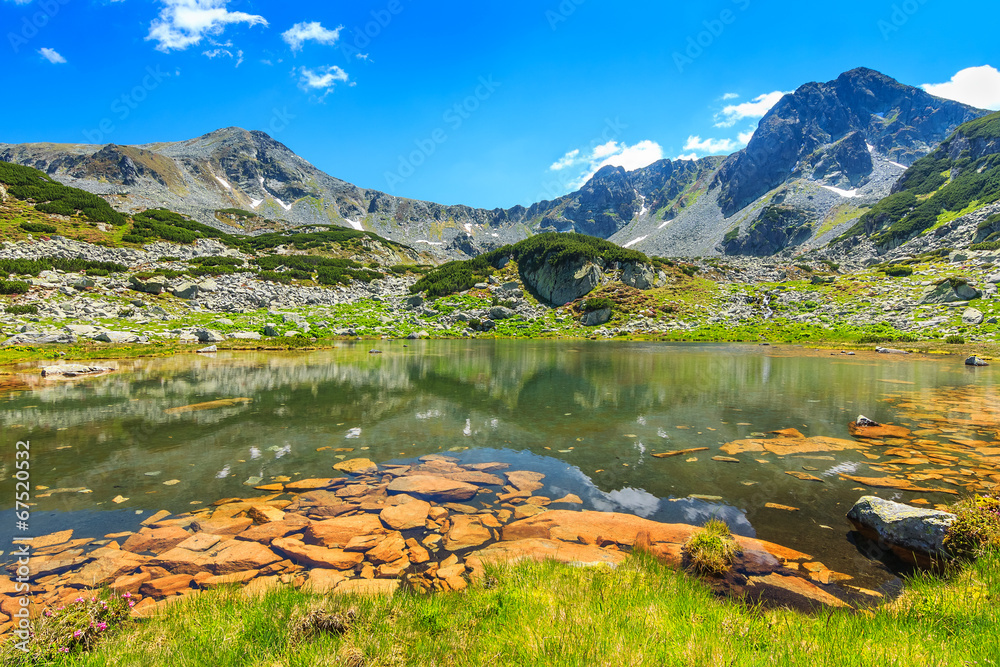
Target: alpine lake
179 433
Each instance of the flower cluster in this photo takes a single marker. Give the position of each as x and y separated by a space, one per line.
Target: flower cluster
74 627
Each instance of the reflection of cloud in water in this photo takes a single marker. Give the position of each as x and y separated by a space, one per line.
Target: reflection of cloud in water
282 451
841 468
641 420
632 501
222 474
467 431
663 434
430 414
562 478
254 453
354 433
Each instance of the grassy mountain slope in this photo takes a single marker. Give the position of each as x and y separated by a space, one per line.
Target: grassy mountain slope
961 176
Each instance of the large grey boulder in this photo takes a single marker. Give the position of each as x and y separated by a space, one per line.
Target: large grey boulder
501 313
596 317
640 276
40 338
946 292
246 335
119 337
208 336
564 282
154 285
74 370
914 534
972 316
185 290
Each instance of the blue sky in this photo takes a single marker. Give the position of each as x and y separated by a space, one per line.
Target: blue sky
488 103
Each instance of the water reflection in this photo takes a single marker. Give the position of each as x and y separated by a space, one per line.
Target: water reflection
597 412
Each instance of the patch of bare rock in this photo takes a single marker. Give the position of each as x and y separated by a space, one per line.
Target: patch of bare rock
431 526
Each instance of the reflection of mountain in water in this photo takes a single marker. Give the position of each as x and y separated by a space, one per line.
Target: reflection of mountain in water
598 406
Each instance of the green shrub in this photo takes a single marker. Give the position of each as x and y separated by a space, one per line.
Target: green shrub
13 287
976 528
38 228
50 196
598 303
954 340
898 271
27 309
712 549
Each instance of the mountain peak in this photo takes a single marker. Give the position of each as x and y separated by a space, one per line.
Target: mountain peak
896 120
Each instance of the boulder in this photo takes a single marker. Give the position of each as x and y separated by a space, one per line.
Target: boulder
972 317
208 336
314 556
246 335
914 534
39 338
185 290
640 276
154 285
564 282
501 313
951 291
596 317
119 337
466 532
975 361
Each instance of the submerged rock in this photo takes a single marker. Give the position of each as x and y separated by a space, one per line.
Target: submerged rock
975 361
915 535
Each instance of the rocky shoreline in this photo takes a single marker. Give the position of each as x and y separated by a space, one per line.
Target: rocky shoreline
433 525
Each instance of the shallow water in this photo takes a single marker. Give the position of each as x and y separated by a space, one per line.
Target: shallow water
589 415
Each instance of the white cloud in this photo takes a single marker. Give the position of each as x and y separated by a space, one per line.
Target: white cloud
612 154
976 86
322 79
711 146
690 157
567 160
216 53
300 33
756 108
51 55
184 23
730 96
745 137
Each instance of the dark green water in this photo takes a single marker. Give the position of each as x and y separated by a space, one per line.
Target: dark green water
569 409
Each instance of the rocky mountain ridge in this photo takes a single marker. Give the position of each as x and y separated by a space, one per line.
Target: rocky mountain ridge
819 159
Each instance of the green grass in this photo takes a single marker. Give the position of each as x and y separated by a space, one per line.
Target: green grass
639 613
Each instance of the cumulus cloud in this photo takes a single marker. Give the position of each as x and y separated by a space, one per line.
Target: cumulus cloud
745 137
710 146
612 153
300 33
184 23
976 86
322 79
730 96
51 55
690 157
756 108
